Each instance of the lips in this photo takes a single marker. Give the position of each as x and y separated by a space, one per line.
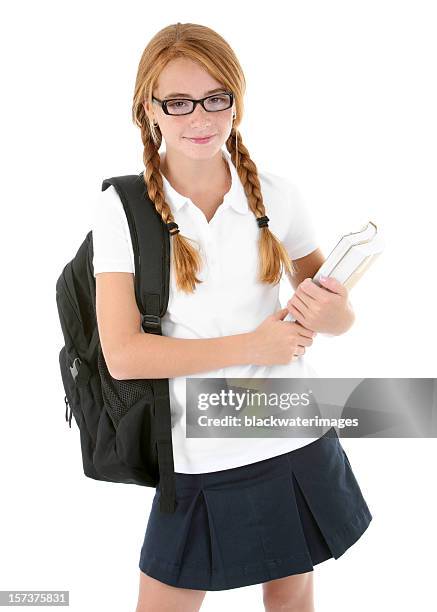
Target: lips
201 138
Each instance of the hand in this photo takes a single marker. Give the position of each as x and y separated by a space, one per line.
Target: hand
278 342
323 309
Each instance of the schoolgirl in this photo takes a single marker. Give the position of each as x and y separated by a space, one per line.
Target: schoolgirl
249 511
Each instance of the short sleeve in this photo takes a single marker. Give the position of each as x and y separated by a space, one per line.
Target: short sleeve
112 244
301 237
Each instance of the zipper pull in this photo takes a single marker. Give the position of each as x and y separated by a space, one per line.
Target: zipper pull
71 414
66 408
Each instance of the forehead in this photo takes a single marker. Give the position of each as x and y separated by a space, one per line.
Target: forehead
183 75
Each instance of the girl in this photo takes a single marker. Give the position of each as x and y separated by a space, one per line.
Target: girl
249 511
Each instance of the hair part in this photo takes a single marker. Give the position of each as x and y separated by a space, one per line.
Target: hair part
204 46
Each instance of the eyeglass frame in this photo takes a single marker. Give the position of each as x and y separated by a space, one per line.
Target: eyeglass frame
201 101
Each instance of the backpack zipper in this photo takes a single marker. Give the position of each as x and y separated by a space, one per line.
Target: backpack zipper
74 369
67 406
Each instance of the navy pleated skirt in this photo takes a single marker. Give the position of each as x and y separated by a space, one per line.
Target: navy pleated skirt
257 522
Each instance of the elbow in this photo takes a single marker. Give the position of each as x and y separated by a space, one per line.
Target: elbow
114 370
116 362
116 375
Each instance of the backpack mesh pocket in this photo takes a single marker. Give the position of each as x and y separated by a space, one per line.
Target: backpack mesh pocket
120 395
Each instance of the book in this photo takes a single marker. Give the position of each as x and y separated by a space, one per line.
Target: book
351 257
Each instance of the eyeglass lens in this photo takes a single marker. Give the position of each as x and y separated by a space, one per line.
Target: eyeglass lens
213 103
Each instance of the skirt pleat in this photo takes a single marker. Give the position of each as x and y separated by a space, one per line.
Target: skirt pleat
257 522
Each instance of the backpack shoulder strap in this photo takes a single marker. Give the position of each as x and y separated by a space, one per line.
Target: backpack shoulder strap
151 247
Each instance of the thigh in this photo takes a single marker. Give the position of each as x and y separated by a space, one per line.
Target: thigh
291 592
156 595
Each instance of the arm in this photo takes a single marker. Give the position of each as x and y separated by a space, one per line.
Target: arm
306 267
130 353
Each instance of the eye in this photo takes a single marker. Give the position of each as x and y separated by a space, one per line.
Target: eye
176 103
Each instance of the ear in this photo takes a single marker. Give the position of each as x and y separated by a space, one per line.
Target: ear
148 110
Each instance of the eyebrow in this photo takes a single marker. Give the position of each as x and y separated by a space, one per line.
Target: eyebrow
178 93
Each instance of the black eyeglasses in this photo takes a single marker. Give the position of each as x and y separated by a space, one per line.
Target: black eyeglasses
185 106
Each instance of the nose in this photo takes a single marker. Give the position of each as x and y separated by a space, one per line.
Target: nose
199 112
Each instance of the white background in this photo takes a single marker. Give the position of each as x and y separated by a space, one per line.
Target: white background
341 98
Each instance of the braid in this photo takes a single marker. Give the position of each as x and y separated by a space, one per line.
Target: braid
210 51
186 258
271 250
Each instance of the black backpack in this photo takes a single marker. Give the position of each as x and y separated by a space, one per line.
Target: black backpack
125 425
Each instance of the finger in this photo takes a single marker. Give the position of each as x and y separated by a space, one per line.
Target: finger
332 284
297 315
309 289
298 351
304 298
305 332
281 314
304 341
299 304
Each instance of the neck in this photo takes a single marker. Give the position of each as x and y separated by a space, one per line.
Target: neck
190 176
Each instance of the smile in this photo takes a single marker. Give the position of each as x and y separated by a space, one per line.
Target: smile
201 140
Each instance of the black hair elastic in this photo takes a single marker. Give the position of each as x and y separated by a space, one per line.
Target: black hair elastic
263 221
172 225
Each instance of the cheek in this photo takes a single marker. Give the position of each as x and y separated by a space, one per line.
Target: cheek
171 130
227 129
226 123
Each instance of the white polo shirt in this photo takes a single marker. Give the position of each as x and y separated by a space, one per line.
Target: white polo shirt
229 301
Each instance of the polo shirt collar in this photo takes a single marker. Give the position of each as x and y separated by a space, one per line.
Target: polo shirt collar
235 197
